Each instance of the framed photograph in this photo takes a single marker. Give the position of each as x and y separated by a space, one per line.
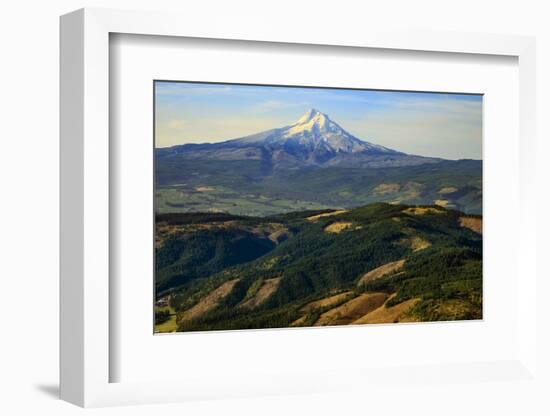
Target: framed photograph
304 224
274 213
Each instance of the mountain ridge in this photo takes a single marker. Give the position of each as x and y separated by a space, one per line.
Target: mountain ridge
317 129
315 140
311 164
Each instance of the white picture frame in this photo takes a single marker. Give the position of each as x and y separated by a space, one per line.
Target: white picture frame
85 211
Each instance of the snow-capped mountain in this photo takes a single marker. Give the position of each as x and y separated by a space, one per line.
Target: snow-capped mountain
315 131
314 140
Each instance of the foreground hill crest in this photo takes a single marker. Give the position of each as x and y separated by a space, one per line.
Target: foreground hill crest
390 263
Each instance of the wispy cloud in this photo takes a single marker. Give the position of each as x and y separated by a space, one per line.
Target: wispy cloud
176 124
181 89
273 105
431 124
446 128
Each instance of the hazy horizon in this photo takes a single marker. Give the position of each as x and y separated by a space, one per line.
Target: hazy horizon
428 124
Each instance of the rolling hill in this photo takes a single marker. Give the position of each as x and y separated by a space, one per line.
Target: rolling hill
371 264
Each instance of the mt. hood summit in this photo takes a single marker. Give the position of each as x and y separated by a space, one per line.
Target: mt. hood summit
315 131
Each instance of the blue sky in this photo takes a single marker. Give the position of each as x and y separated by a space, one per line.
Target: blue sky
429 124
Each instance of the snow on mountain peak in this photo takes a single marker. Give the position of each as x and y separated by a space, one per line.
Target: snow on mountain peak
313 132
313 121
312 115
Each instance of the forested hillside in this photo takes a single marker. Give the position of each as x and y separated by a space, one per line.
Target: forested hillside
376 263
245 187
